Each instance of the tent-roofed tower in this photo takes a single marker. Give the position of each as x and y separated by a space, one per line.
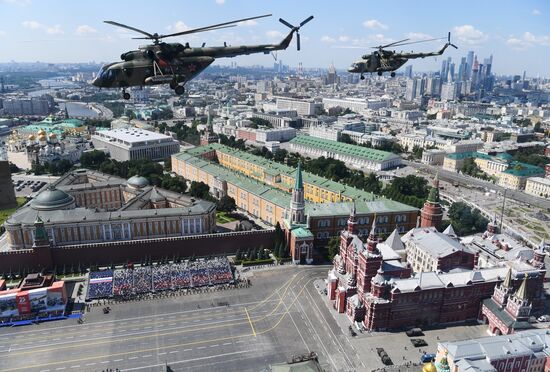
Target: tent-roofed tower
432 212
297 204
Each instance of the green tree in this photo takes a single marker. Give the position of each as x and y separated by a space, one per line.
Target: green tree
93 159
199 190
176 184
333 247
466 220
226 204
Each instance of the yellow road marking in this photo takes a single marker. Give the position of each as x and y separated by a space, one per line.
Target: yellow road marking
285 286
191 328
250 321
286 312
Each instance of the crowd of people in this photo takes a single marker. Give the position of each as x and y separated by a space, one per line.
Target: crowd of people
127 282
219 271
101 284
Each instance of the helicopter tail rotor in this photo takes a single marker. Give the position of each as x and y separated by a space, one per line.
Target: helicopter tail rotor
296 28
449 41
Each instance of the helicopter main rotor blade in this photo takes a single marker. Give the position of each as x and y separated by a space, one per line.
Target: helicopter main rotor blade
420 41
298 41
207 28
150 36
388 45
210 29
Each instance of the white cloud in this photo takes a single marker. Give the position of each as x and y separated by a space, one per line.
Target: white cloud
220 2
328 39
250 22
343 38
528 40
418 36
274 34
468 34
374 24
54 30
85 30
178 26
536 12
33 25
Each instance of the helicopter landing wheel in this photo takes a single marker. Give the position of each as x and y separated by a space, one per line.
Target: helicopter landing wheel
379 73
173 84
179 90
126 95
362 77
392 74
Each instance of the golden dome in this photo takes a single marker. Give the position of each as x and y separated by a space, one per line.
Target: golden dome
31 137
429 367
41 131
42 137
11 142
52 136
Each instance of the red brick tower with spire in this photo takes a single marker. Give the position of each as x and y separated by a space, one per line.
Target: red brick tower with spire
432 213
369 261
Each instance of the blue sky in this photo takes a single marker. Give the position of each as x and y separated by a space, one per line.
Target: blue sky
517 33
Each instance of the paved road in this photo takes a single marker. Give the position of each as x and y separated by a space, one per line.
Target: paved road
242 329
467 180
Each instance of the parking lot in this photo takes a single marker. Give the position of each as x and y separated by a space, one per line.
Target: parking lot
28 185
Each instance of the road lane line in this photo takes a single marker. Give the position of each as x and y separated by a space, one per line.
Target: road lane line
188 360
281 318
250 321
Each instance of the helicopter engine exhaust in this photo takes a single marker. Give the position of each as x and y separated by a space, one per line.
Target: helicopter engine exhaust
129 56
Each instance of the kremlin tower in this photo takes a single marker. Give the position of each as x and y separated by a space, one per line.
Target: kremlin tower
432 213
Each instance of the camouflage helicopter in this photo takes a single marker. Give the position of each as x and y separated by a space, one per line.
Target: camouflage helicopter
382 60
174 63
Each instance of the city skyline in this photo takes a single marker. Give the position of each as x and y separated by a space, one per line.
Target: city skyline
516 34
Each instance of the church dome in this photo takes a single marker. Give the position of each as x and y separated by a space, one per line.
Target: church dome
52 136
429 367
41 132
41 137
137 182
52 199
31 137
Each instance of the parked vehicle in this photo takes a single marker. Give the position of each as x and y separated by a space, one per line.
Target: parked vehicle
415 332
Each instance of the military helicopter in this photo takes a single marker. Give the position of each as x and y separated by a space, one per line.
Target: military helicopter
382 60
174 63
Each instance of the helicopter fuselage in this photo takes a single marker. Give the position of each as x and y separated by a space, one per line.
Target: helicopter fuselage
370 65
384 60
172 63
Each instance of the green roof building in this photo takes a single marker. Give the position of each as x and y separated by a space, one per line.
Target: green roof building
358 156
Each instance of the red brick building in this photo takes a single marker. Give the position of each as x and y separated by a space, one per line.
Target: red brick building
374 287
